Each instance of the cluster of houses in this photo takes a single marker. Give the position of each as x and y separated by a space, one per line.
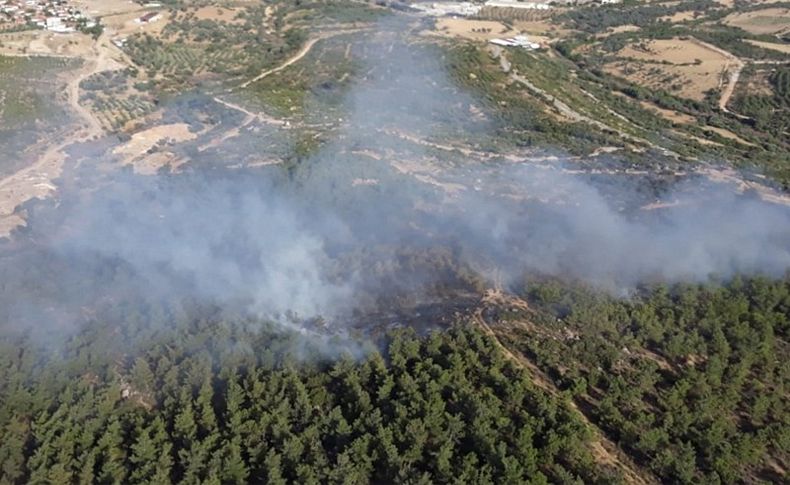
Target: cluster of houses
53 15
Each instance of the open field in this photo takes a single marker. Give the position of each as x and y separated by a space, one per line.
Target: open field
483 30
785 48
218 14
682 66
767 21
472 29
102 8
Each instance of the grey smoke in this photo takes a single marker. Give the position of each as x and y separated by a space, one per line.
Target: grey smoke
317 244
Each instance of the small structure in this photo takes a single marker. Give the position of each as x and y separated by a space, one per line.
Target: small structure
517 41
148 18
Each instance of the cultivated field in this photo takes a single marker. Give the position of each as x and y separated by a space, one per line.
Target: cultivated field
685 67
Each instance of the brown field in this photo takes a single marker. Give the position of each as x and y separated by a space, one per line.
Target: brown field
472 29
101 8
220 14
681 16
686 67
483 30
770 45
762 22
728 135
40 42
146 151
124 24
668 114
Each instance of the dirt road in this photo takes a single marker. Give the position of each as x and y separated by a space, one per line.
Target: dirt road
306 48
295 58
36 180
732 70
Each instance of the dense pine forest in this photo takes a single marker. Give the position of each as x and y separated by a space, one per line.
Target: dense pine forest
690 382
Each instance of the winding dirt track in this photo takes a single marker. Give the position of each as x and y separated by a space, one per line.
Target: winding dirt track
36 180
295 58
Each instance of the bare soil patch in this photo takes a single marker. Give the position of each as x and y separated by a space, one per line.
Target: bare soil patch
728 135
472 29
218 14
668 114
101 8
785 48
147 139
125 24
685 67
767 21
680 16
43 43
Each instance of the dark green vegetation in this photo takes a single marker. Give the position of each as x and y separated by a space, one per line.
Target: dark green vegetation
770 111
219 404
28 112
188 48
237 46
690 380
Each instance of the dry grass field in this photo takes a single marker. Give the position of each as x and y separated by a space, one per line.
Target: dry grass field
785 48
483 30
685 67
218 14
472 29
768 21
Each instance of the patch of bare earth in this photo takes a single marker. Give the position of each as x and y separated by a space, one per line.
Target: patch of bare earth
147 150
769 21
218 14
668 114
731 177
784 48
36 180
472 29
686 67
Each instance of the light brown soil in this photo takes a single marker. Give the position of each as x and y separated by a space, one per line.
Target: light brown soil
694 67
680 16
770 45
729 135
766 21
36 179
141 151
730 176
472 29
45 43
668 114
220 14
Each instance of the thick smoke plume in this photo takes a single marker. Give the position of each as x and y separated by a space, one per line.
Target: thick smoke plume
327 241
